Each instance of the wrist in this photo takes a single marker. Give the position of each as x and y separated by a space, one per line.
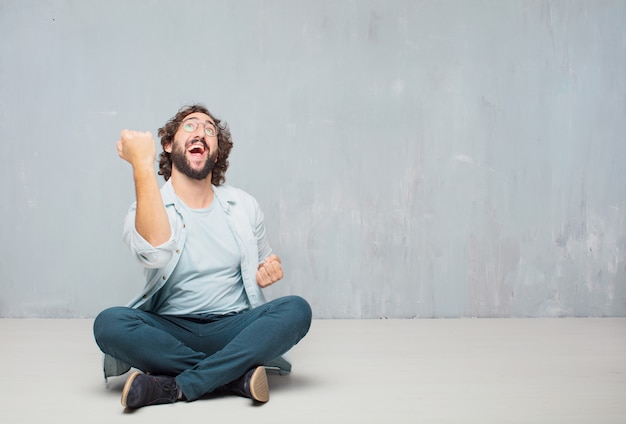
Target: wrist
143 167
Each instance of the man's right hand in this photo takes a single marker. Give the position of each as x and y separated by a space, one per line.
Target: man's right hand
151 221
137 148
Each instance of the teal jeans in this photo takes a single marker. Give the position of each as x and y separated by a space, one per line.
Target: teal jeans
203 352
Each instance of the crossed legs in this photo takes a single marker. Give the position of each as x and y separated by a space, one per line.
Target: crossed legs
203 353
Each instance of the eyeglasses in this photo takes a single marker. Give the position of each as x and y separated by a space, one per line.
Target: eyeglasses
190 125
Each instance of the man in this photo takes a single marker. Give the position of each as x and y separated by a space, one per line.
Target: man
201 323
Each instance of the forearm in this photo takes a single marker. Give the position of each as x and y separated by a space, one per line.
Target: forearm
151 221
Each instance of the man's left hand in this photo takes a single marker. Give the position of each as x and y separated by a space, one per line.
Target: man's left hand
269 271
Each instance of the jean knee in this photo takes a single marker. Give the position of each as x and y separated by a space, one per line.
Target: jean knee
107 323
300 312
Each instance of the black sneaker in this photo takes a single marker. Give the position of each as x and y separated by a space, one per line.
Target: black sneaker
252 385
144 390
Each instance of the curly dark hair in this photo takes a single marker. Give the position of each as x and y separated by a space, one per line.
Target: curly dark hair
224 143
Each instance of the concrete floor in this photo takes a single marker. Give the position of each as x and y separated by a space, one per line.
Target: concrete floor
351 371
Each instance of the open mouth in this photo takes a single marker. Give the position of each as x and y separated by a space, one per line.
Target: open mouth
197 148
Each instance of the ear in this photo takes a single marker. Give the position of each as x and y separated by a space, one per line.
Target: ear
168 147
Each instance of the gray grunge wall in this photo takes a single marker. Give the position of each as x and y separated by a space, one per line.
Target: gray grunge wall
413 158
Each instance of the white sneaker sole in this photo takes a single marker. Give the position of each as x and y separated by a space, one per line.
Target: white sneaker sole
259 387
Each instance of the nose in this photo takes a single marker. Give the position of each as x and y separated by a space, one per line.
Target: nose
200 130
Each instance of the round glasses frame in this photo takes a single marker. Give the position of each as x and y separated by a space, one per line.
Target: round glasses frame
190 125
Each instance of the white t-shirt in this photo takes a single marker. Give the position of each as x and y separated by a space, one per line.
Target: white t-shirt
207 278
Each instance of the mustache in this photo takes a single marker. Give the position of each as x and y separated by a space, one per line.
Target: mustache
193 141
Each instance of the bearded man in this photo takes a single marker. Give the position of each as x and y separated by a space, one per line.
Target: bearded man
201 323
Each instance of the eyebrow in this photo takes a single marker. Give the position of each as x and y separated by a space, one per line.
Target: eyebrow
198 119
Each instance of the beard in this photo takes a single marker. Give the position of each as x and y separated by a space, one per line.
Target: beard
184 165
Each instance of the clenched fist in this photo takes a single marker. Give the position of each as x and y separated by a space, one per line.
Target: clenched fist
269 271
137 148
